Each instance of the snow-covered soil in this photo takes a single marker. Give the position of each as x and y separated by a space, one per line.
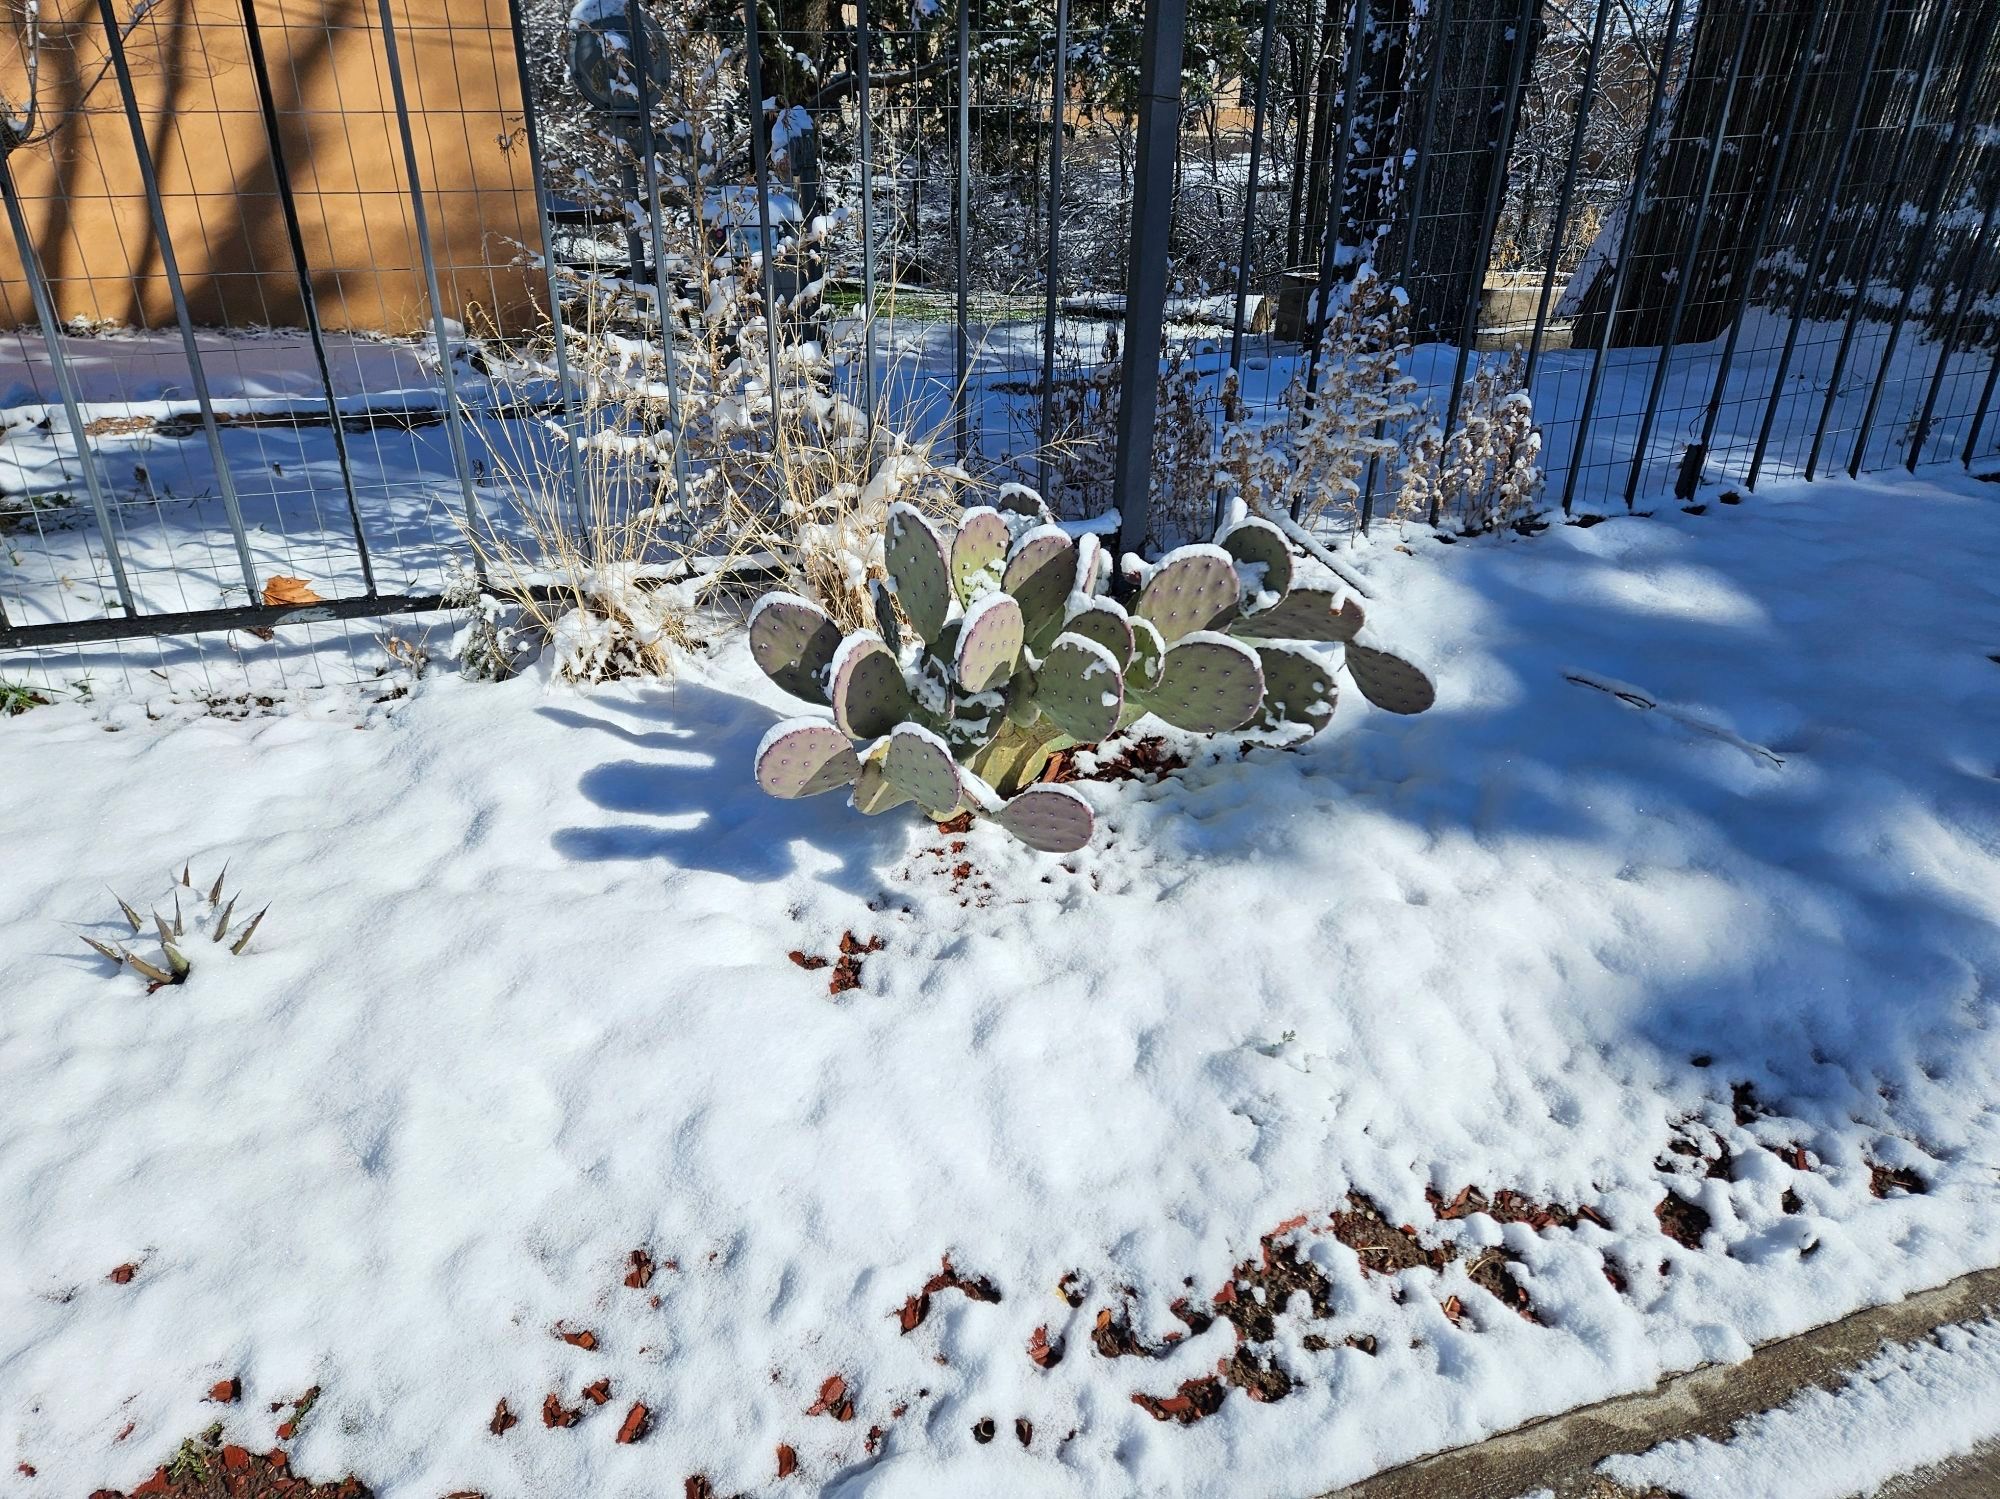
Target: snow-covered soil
1912 1406
524 1005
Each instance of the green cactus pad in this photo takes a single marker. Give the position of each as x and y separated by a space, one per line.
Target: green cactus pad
793 640
1021 500
989 643
874 793
1040 572
1258 543
1298 688
1103 621
1194 588
1209 684
1389 682
920 764
918 568
979 553
869 695
1053 819
1080 687
1149 653
1303 614
805 756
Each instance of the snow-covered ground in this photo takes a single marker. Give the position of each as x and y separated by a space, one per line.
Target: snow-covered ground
1912 1406
523 1005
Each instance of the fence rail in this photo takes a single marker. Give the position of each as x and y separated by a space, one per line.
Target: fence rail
1718 240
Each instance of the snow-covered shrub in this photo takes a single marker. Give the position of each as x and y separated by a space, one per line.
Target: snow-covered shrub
1490 471
205 915
997 644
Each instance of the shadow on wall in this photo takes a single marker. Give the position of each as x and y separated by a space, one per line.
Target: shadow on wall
84 194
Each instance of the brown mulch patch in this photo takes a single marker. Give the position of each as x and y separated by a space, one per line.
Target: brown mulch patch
1509 1206
1384 1248
1884 1180
206 1468
973 1287
1681 1220
1147 759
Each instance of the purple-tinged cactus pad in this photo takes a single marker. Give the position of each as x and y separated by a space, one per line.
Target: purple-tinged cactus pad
919 764
1298 688
1149 653
1053 819
1303 614
1259 544
1194 588
793 640
1080 688
1021 500
979 553
919 569
989 643
1210 684
869 695
874 793
1389 682
1103 621
1041 570
805 756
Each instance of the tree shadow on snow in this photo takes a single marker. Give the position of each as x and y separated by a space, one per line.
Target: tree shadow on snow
698 806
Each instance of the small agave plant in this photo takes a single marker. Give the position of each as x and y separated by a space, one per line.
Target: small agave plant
176 936
998 645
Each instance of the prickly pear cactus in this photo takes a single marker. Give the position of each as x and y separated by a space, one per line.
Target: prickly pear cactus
998 645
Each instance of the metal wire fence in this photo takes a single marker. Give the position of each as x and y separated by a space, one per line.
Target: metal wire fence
1711 240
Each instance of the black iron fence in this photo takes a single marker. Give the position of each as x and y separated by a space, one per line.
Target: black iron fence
1711 241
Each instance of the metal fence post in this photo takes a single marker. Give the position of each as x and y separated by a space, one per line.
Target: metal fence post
1146 276
1809 274
1979 416
1052 287
760 161
663 295
1875 236
45 314
281 177
1336 206
1566 197
1967 293
1961 126
571 398
225 482
1635 209
962 190
1685 271
420 220
867 143
1257 115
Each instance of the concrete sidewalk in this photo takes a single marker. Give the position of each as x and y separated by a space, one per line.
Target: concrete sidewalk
1562 1453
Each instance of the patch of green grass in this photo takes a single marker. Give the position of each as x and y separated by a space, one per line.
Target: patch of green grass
17 698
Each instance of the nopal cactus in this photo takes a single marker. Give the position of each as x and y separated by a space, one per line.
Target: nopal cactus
999 644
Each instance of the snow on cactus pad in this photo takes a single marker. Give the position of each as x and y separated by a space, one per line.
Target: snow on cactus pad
920 766
989 643
1054 819
1304 614
869 694
1209 684
1259 544
1298 688
1080 687
979 553
804 757
1389 682
1194 588
793 640
1105 622
919 569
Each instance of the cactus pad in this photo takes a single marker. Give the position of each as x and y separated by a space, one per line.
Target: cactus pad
1303 614
793 640
1018 499
918 568
1194 588
1389 682
1040 572
1298 688
805 756
979 553
874 792
920 764
1258 543
1209 684
989 643
1149 651
1053 819
869 695
1103 621
1081 688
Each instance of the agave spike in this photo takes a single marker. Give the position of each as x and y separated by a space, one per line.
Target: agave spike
131 916
166 932
187 874
222 926
148 969
179 930
177 961
248 932
215 890
114 954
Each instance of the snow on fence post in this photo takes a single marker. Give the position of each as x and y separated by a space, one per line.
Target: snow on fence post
225 482
1350 86
1146 264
